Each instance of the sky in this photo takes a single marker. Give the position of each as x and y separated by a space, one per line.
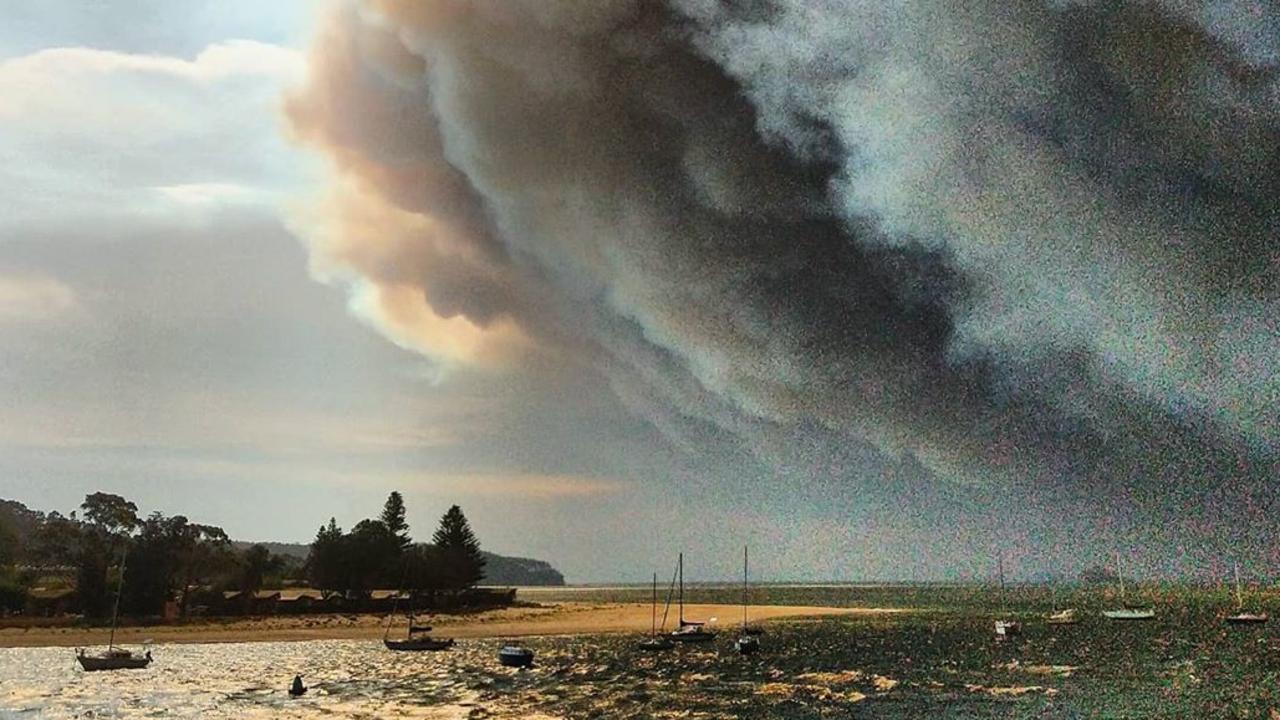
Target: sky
883 291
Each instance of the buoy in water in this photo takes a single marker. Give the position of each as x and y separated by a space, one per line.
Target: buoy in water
297 689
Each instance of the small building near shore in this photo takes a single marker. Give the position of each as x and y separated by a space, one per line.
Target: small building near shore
51 602
299 601
262 602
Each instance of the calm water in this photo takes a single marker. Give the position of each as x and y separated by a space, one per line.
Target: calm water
916 667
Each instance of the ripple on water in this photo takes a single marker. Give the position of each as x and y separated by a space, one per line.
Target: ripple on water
347 680
805 671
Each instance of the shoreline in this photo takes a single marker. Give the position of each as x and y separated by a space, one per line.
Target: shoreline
549 619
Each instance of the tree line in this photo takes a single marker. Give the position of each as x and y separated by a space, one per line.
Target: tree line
170 559
380 553
160 558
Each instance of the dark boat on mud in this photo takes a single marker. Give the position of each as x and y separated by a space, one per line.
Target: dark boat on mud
417 639
114 658
516 656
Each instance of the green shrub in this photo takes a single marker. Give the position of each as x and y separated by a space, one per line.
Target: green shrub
13 597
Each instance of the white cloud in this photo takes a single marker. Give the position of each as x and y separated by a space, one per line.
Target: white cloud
26 77
32 297
207 194
94 133
150 26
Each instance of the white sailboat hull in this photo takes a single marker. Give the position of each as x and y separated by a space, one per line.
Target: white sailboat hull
1129 614
1063 617
1008 628
1247 619
655 644
692 634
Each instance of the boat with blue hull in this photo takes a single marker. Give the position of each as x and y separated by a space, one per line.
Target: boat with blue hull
516 656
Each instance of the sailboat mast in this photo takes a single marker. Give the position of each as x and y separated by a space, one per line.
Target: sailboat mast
680 571
1239 593
666 607
115 611
395 603
1120 576
1000 566
653 628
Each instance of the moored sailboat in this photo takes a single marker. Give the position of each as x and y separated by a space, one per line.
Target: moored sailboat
1241 617
418 643
417 639
747 643
655 641
1004 626
114 658
689 631
1066 616
1127 612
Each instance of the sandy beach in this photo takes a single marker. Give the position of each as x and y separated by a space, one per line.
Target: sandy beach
565 618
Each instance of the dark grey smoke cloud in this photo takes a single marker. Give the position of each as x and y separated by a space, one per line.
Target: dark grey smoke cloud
1030 247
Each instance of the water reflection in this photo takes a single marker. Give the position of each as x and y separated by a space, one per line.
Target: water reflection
909 667
347 680
574 677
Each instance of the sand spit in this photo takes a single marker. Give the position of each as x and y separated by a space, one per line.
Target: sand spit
567 618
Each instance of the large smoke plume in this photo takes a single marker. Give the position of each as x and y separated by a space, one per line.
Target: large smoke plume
1030 245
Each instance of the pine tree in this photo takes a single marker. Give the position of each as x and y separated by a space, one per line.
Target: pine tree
460 550
325 563
393 514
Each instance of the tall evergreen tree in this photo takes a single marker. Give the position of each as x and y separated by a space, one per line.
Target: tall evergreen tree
424 570
372 557
325 562
460 550
393 514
